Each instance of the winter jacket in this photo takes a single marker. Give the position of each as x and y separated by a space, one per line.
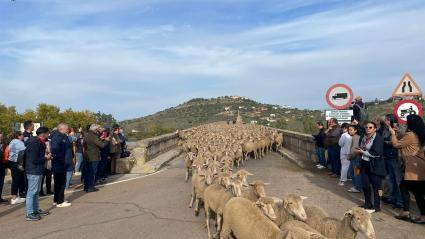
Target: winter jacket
15 147
376 156
62 153
93 145
320 138
35 156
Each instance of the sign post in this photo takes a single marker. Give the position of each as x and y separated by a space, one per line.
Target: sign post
407 107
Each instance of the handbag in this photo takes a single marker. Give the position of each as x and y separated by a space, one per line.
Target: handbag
21 160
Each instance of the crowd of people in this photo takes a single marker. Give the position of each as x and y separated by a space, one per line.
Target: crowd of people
384 159
60 154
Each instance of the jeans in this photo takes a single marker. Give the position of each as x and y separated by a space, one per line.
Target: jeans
2 175
68 178
89 181
334 158
345 165
321 156
80 158
395 178
418 190
48 176
33 197
357 179
102 168
60 181
18 180
369 179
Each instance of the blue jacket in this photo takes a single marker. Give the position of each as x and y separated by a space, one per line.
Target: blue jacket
62 153
35 156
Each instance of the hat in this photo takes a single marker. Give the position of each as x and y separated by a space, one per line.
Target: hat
358 98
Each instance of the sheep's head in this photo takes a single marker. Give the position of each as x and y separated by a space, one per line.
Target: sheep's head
259 188
209 177
360 222
224 179
266 205
243 175
293 204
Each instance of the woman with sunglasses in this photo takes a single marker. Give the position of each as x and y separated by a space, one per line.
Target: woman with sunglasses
411 147
372 167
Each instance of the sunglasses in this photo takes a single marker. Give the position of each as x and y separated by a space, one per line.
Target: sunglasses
370 127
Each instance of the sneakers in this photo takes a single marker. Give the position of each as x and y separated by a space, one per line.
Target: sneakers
42 213
320 167
64 204
353 190
341 183
17 200
33 217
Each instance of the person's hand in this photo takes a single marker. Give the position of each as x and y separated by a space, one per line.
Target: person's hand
48 156
392 131
359 151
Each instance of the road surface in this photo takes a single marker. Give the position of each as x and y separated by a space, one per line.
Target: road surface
155 206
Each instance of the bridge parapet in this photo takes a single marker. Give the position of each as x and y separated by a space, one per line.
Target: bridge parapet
299 146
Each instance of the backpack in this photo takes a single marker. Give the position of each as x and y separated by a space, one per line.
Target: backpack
21 160
6 154
364 114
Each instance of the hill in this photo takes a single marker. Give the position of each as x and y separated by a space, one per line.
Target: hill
200 111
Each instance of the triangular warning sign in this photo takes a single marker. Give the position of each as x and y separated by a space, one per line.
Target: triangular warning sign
407 87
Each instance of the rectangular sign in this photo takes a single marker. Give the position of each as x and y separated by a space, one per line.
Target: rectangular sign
343 116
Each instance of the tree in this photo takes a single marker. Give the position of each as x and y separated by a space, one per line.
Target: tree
105 119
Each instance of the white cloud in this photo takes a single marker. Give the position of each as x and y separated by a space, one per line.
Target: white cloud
139 70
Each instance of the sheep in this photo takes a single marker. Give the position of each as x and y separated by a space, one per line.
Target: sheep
278 140
355 220
188 164
215 198
255 191
249 147
289 208
248 220
243 175
200 182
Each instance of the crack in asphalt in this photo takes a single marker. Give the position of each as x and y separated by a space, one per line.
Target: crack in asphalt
142 211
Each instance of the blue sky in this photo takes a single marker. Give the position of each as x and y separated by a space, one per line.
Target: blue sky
135 57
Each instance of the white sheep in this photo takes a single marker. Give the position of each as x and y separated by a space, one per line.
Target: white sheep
355 220
248 220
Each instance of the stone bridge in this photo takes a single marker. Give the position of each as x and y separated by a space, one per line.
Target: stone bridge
150 199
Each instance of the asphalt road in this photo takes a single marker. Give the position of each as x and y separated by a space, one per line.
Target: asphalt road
155 206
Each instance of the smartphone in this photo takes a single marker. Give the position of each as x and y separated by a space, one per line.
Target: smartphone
103 135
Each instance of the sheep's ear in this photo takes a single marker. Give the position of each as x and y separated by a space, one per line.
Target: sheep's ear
251 184
348 213
249 174
258 204
266 184
304 197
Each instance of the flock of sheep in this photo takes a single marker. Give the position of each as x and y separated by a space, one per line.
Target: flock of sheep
242 209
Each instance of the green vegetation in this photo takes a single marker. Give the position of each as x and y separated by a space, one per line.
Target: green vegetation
50 116
200 111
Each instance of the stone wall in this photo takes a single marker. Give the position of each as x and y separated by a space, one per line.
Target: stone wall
148 149
302 145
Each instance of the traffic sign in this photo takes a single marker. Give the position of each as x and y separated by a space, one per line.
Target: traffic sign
343 116
407 107
339 96
407 87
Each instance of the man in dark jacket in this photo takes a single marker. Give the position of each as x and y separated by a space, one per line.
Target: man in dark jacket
28 131
320 145
62 156
333 133
92 144
35 159
359 110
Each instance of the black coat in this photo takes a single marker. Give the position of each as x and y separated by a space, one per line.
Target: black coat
35 156
320 138
377 163
62 153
